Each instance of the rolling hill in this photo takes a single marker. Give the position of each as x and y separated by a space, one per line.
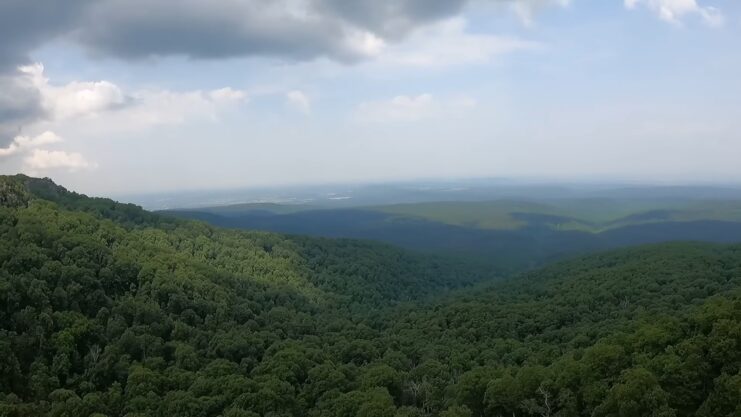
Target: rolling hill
108 310
510 235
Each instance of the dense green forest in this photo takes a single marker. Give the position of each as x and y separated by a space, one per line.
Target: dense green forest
511 236
108 310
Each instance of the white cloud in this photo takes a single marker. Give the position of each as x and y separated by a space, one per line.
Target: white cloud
85 110
150 108
37 160
76 99
21 143
43 160
299 100
526 9
366 44
102 108
674 11
227 94
412 108
447 44
106 108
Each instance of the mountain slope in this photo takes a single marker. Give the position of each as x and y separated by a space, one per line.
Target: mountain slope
108 314
302 261
94 291
647 331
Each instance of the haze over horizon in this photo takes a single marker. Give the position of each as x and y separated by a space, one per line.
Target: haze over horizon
116 97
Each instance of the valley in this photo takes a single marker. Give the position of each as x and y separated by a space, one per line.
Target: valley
512 235
112 310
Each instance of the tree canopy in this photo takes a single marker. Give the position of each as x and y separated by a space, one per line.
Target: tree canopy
108 310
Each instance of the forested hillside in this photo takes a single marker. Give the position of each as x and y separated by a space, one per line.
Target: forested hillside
511 241
108 310
648 331
94 293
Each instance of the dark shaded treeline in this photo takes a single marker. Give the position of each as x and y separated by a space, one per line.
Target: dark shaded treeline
507 250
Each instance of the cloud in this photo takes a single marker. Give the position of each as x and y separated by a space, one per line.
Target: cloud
76 99
343 30
391 19
448 44
31 101
526 10
25 25
299 100
291 29
37 160
27 98
100 108
21 143
106 107
44 160
673 11
411 108
20 103
227 94
346 31
149 108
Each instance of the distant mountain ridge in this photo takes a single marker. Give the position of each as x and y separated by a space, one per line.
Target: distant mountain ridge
509 240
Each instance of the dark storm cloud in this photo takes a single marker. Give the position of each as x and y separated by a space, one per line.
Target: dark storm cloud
212 29
24 25
391 18
291 29
20 103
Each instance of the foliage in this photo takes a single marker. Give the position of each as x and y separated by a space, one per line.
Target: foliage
107 310
509 236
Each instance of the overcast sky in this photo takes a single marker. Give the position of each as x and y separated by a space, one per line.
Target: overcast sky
131 96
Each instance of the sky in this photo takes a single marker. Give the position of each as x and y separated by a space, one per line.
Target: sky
114 97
